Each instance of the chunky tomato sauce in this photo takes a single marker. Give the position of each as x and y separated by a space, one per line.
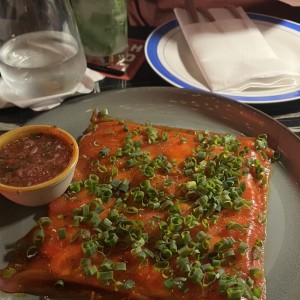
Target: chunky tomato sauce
153 213
33 159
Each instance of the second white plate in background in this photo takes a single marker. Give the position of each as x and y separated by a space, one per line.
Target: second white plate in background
169 56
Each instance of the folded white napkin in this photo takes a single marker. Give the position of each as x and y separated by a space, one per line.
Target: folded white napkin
8 98
232 53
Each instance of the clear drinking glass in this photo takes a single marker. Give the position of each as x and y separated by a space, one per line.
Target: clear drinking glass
40 48
103 28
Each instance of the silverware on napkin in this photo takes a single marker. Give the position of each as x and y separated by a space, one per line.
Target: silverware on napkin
231 52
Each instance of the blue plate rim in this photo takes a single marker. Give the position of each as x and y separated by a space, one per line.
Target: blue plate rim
153 59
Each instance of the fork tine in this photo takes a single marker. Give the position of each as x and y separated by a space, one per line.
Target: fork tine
234 11
237 14
191 9
207 14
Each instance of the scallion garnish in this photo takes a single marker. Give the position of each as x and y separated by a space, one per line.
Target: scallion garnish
208 181
128 284
61 233
44 221
8 272
256 273
59 284
38 236
88 248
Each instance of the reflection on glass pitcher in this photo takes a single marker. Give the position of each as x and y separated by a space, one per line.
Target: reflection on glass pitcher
41 52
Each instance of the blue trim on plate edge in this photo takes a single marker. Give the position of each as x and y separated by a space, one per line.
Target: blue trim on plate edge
153 58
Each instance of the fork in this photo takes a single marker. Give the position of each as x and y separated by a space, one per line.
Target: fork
192 12
193 15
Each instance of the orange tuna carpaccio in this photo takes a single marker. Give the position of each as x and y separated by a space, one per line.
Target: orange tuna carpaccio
152 213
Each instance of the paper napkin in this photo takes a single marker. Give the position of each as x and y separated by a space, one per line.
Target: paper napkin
8 98
232 53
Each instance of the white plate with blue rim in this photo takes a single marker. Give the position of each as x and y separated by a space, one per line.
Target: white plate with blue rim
169 56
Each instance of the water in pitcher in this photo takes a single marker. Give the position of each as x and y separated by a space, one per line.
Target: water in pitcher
42 63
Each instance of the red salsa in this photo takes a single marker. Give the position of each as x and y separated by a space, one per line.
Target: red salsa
33 159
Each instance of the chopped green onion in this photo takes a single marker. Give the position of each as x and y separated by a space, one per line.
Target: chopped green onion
235 292
85 262
103 112
75 187
59 284
38 236
31 251
105 276
61 233
183 140
75 236
124 186
243 248
261 142
88 248
90 270
256 273
120 266
128 284
111 239
104 152
257 292
9 272
107 265
44 221
169 283
233 225
256 252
